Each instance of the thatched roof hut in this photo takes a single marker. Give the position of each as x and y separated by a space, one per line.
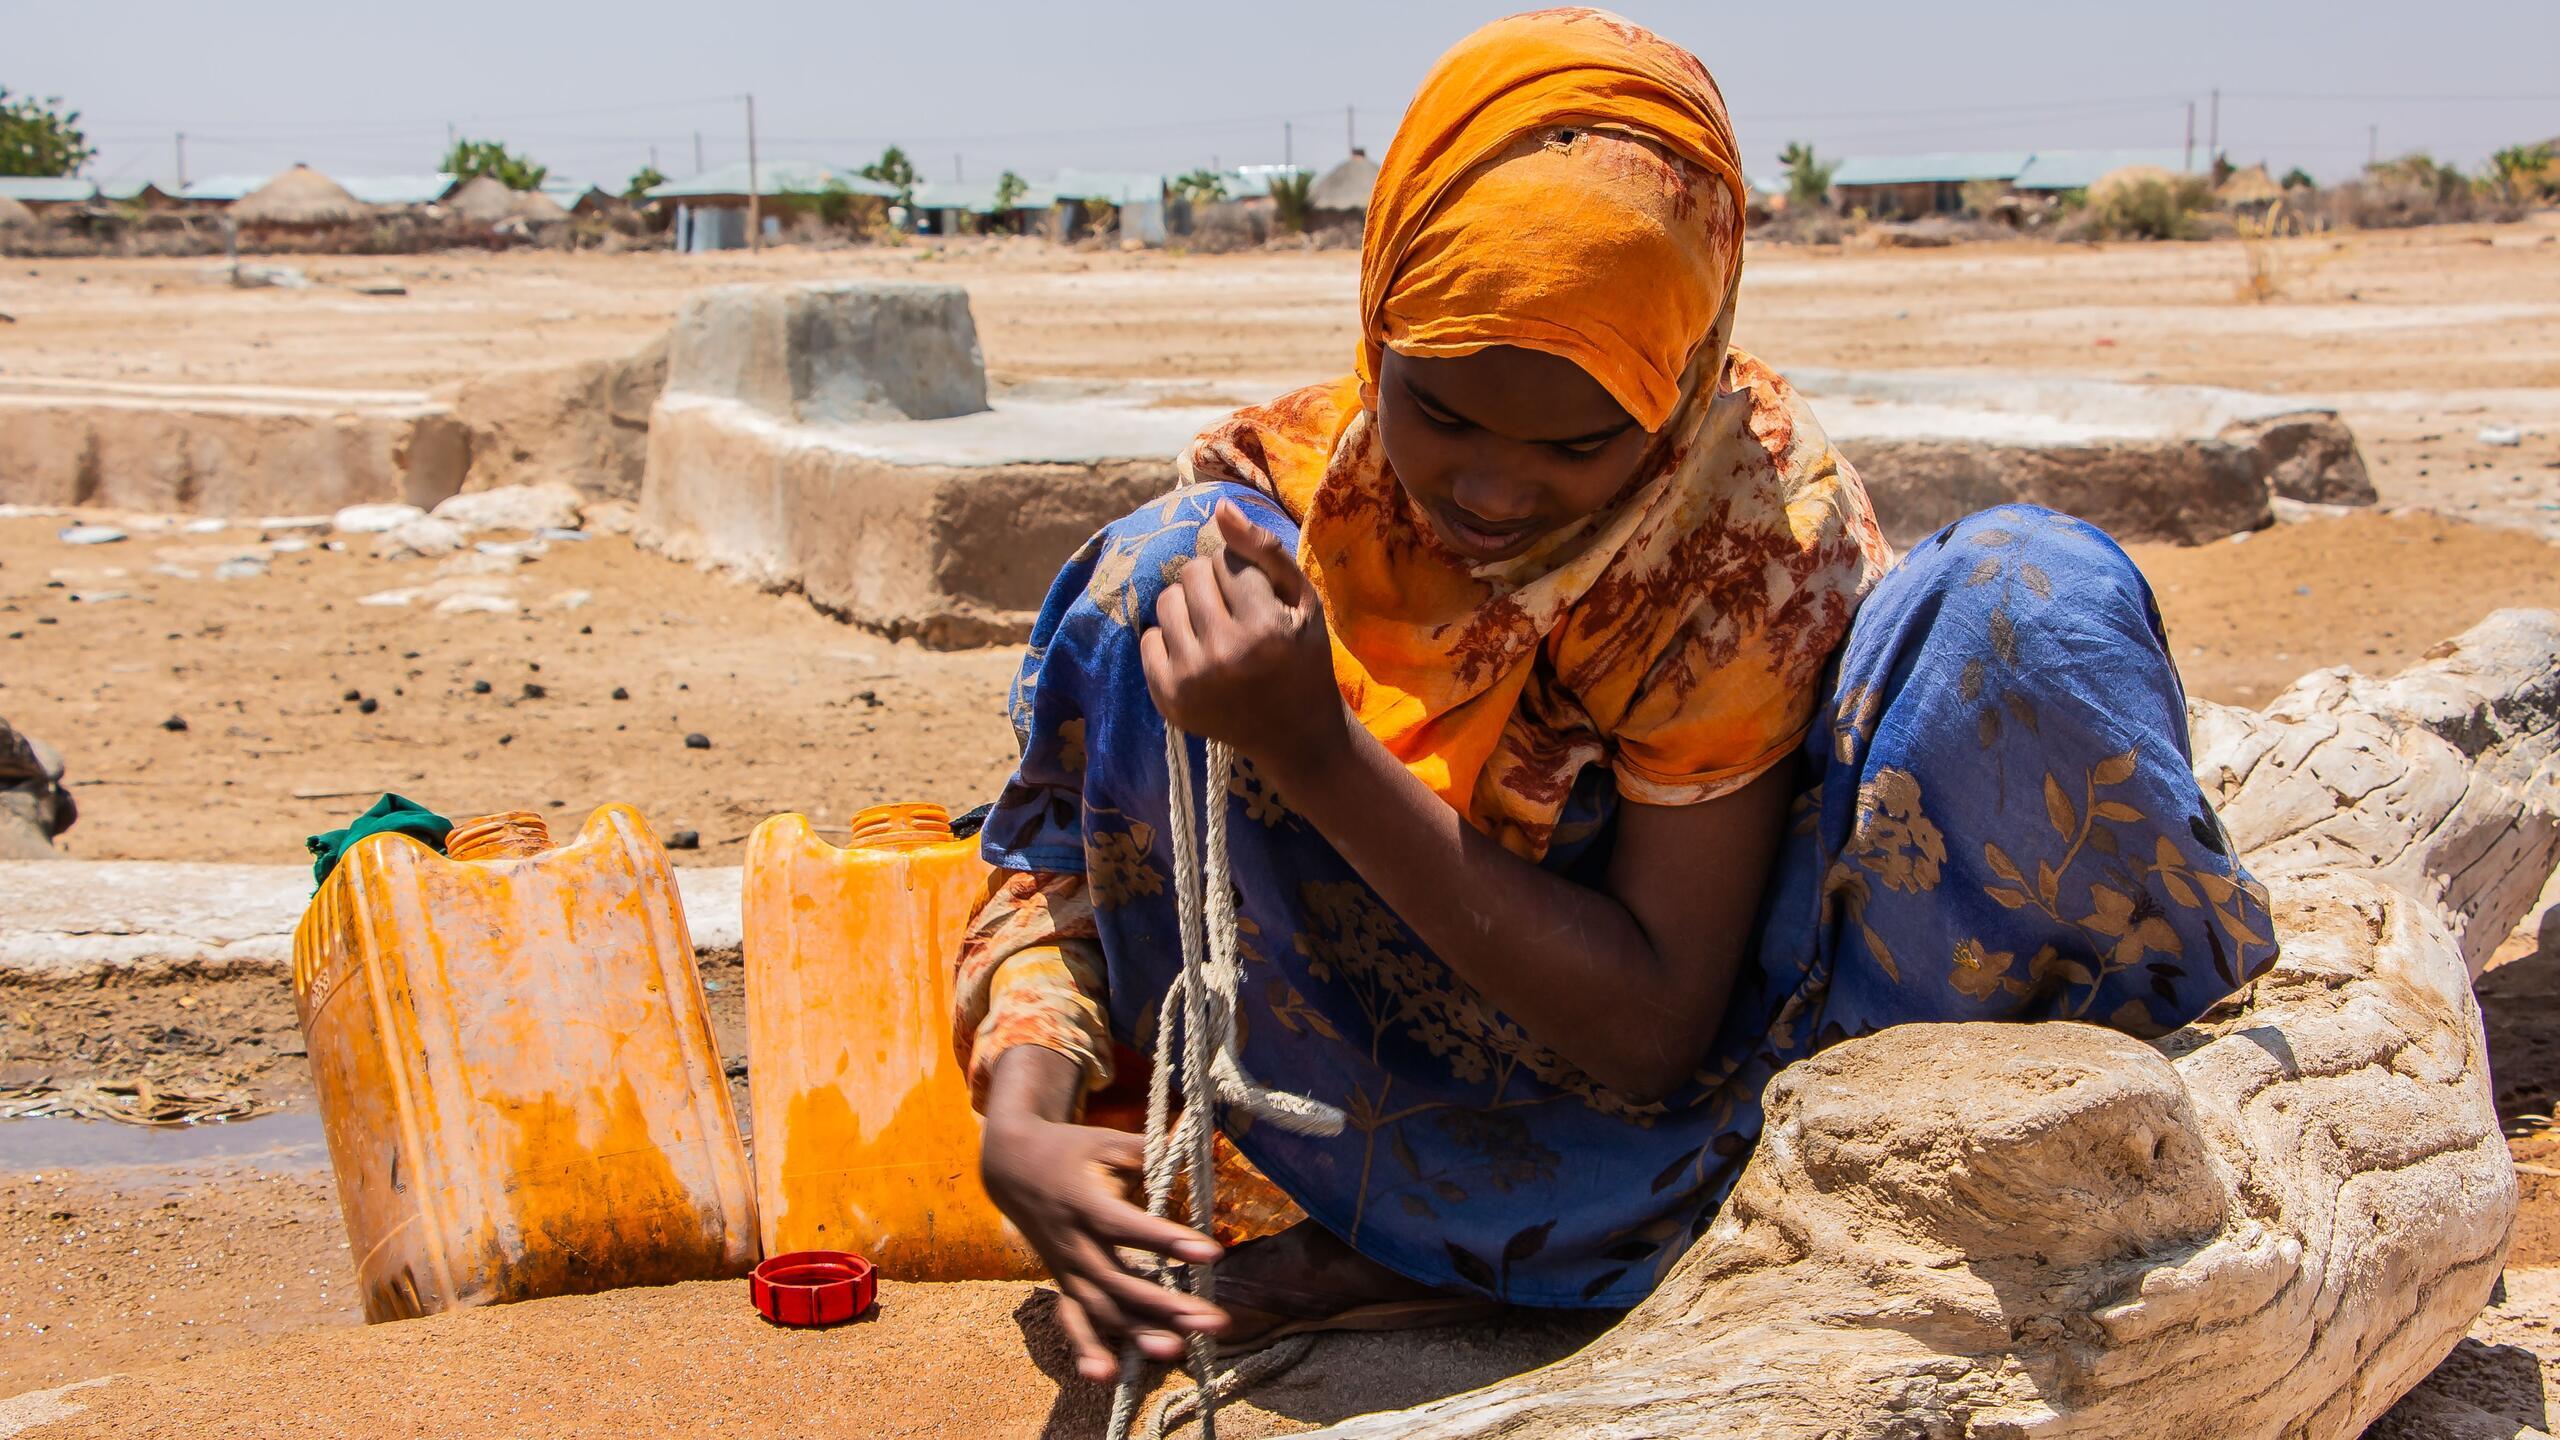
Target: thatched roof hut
300 196
2244 188
485 200
14 215
1346 186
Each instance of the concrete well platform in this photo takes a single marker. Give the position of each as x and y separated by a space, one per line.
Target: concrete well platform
223 449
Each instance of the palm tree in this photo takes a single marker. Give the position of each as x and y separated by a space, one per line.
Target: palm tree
1808 178
1291 201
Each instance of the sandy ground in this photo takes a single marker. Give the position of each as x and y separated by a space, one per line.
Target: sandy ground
110 1265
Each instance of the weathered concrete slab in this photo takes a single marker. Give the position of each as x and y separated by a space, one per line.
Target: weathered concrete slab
2182 463
585 425
838 440
223 449
82 921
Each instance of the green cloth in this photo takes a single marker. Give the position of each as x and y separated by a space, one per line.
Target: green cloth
395 814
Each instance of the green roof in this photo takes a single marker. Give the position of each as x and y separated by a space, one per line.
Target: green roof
773 177
2080 169
48 189
223 189
978 196
401 189
1936 167
1119 187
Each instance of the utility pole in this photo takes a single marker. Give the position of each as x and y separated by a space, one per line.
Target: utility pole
2190 166
697 152
1289 143
755 196
1350 131
182 160
2372 145
448 137
653 159
2213 131
956 176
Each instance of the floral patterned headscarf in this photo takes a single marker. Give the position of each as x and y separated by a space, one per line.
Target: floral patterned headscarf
1567 182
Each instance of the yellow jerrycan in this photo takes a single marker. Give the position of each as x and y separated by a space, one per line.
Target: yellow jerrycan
865 1140
516 1070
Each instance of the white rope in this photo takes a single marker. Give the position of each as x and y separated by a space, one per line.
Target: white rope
1200 1004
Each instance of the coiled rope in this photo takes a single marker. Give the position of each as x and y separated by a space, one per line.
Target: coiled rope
1200 1007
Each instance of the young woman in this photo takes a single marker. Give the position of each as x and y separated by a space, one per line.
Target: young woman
1595 760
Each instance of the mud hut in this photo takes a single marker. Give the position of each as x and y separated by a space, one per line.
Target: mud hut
484 200
302 198
15 215
1343 193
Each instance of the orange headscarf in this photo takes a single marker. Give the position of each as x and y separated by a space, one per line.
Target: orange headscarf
1565 181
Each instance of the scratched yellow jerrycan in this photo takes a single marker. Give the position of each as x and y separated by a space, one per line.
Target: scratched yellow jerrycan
516 1069
865 1139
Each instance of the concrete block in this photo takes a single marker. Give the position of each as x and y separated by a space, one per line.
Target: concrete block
223 450
834 351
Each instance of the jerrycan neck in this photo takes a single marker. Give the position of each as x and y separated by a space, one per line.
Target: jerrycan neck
900 827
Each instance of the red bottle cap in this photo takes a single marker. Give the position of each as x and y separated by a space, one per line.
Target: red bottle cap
813 1287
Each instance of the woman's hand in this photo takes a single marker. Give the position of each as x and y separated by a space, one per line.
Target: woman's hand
1240 653
1065 1186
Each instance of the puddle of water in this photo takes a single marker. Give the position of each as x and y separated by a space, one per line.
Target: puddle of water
287 1139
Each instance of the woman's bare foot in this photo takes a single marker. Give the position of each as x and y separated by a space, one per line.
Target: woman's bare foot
1303 1277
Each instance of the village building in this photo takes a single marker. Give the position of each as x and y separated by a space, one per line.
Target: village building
1342 193
958 207
1134 198
14 215
402 191
485 201
46 194
219 192
301 198
2056 172
711 208
1906 187
144 194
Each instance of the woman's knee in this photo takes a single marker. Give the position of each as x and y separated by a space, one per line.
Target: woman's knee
1128 563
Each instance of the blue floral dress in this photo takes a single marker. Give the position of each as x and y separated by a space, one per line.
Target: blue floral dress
1995 820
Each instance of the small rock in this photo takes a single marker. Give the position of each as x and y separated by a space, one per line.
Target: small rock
210 525
272 525
685 840
265 277
477 605
241 567
479 687
621 694
533 691
373 519
521 550
514 507
569 600
561 533
88 535
2502 436
99 597
175 724
423 538
367 705
379 287
697 741
391 597
352 694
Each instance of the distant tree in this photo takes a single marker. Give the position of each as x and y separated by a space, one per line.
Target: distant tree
894 169
2520 173
1292 201
2424 171
2223 170
643 180
39 137
1808 177
1201 186
2298 178
492 158
1010 188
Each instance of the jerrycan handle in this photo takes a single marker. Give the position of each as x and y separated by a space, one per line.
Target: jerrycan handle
899 827
506 836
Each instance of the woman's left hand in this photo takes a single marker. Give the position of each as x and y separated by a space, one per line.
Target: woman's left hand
1240 653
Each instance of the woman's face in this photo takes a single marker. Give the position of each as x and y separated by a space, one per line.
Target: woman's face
1504 446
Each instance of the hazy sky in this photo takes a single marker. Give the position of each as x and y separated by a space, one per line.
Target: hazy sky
361 87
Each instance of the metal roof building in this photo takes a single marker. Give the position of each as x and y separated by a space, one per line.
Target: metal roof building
222 189
773 177
1112 187
2052 170
978 197
402 189
48 189
1940 167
